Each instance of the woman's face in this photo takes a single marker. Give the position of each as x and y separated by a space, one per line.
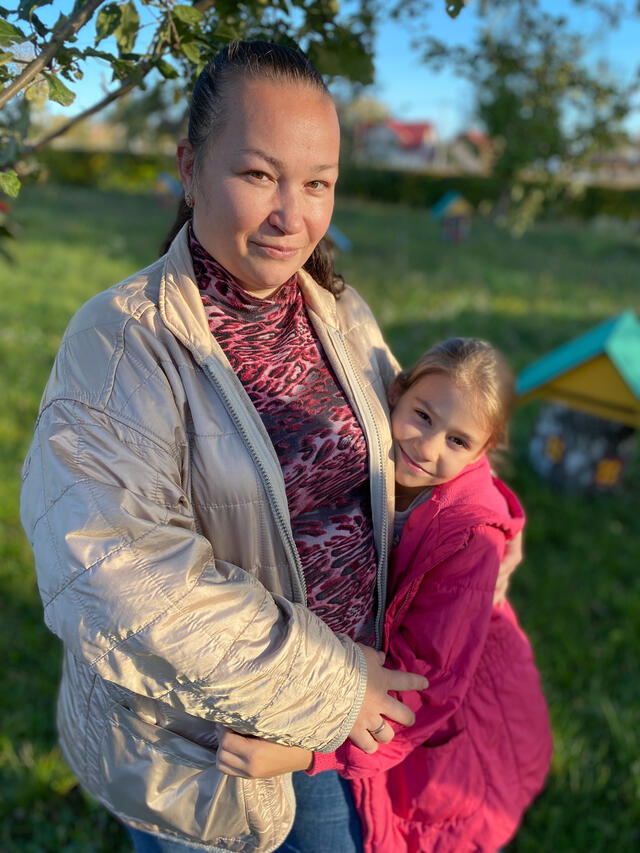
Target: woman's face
263 189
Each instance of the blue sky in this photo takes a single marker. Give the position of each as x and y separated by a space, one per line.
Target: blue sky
410 90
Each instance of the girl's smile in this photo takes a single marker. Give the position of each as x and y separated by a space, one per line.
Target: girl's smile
436 432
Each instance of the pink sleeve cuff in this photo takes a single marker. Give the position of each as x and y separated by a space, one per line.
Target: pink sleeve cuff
322 761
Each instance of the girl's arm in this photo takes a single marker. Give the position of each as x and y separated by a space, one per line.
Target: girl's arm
441 636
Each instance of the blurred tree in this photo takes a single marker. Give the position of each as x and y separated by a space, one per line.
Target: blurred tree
355 109
546 107
151 119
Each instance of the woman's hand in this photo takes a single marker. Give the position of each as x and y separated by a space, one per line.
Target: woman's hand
370 727
254 758
512 558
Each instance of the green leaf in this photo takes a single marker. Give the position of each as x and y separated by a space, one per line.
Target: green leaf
10 34
121 68
5 57
127 30
454 7
191 50
58 92
26 7
165 68
10 183
39 26
98 54
128 70
108 21
187 14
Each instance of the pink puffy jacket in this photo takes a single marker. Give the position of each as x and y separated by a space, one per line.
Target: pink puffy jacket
460 778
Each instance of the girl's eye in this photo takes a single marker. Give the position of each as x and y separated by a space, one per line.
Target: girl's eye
423 415
458 441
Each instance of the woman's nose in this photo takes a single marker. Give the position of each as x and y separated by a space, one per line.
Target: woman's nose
286 215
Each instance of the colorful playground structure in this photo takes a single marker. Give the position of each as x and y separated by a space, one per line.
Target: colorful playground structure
586 435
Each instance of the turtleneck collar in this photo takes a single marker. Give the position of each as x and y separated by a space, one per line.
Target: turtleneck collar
217 285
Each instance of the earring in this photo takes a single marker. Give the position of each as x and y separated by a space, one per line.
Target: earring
188 199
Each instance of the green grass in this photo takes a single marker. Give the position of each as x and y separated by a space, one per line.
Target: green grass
578 593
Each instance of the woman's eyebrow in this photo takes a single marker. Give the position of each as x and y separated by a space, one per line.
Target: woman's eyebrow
279 165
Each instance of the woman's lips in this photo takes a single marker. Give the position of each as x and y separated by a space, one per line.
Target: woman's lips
278 252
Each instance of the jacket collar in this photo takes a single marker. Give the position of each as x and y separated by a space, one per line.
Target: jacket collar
180 302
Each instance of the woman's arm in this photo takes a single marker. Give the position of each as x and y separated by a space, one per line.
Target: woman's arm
132 589
442 636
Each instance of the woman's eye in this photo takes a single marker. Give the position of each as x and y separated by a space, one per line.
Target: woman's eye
316 185
258 175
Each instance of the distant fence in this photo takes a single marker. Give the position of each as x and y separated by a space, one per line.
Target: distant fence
128 171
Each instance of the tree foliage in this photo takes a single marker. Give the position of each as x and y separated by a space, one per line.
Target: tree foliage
541 99
536 94
138 38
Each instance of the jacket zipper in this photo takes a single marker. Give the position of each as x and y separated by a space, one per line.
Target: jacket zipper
300 586
361 398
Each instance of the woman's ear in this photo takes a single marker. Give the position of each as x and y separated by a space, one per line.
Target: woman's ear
185 158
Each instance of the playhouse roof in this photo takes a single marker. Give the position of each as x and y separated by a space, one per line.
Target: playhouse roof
597 372
451 204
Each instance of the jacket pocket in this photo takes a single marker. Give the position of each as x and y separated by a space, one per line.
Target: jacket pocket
154 777
441 783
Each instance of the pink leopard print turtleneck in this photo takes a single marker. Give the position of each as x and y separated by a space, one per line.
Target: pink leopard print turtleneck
274 350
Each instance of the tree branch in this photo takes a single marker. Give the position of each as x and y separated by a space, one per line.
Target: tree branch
109 99
66 31
143 70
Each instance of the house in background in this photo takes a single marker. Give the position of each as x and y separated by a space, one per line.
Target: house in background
586 436
471 152
396 144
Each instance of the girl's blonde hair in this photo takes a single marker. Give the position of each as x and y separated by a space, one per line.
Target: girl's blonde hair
477 367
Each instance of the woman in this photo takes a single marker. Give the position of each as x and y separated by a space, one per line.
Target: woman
211 455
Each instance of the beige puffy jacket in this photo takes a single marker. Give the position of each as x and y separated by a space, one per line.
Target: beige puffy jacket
156 509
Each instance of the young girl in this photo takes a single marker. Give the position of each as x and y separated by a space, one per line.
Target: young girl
462 776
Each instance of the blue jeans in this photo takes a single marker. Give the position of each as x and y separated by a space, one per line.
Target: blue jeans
146 842
326 821
326 818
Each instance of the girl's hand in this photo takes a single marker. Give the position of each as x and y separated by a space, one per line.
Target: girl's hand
512 558
254 758
370 728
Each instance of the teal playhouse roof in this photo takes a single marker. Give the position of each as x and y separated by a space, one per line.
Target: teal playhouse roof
448 201
618 338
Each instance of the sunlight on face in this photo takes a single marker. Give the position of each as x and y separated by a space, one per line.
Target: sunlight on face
437 431
264 188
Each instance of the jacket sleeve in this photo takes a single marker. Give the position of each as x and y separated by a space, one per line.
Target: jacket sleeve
133 590
441 636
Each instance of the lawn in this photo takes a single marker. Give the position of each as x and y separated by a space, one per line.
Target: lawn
578 593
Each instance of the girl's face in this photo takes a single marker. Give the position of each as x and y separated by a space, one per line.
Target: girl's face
436 433
263 190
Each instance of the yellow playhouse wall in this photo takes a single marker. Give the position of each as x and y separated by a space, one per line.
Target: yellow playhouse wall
595 387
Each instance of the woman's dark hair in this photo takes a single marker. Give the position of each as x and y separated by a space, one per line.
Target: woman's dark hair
257 60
